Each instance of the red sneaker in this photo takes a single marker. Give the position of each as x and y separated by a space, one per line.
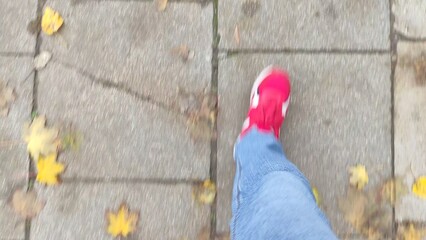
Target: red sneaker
269 100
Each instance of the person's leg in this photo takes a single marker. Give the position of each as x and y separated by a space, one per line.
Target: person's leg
271 197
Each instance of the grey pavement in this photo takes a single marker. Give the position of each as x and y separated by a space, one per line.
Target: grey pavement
358 79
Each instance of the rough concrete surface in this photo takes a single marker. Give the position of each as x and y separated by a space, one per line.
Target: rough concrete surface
123 136
77 211
410 128
14 161
339 116
14 18
410 17
329 24
133 44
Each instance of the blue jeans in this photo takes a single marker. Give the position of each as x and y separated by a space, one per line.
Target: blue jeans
272 200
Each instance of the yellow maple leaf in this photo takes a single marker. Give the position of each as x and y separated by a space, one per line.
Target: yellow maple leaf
40 140
51 21
123 222
419 187
48 169
359 176
205 192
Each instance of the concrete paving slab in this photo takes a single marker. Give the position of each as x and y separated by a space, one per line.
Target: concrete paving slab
123 136
77 211
133 44
14 18
276 24
339 116
410 129
410 17
13 155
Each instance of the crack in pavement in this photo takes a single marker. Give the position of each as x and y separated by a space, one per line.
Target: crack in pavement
120 87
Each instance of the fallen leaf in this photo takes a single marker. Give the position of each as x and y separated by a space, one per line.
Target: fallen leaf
7 96
204 234
420 69
48 169
161 5
40 140
41 60
393 190
359 176
183 52
71 140
316 195
51 21
26 204
223 236
123 222
237 35
410 233
205 192
419 187
353 207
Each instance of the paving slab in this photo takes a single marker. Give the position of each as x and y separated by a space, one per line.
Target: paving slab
339 116
123 136
305 24
14 18
14 161
77 211
410 17
410 129
133 44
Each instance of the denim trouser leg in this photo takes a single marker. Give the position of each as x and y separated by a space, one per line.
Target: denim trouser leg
271 197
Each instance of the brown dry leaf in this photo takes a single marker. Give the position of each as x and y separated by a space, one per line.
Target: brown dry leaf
26 204
7 96
201 111
237 35
393 190
420 68
161 5
223 236
205 192
204 234
410 232
359 176
183 52
353 207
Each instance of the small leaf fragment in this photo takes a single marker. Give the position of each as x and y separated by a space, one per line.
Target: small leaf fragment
51 21
7 96
48 169
419 187
205 192
359 176
39 139
123 222
71 140
26 204
316 195
41 60
237 35
161 5
183 52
